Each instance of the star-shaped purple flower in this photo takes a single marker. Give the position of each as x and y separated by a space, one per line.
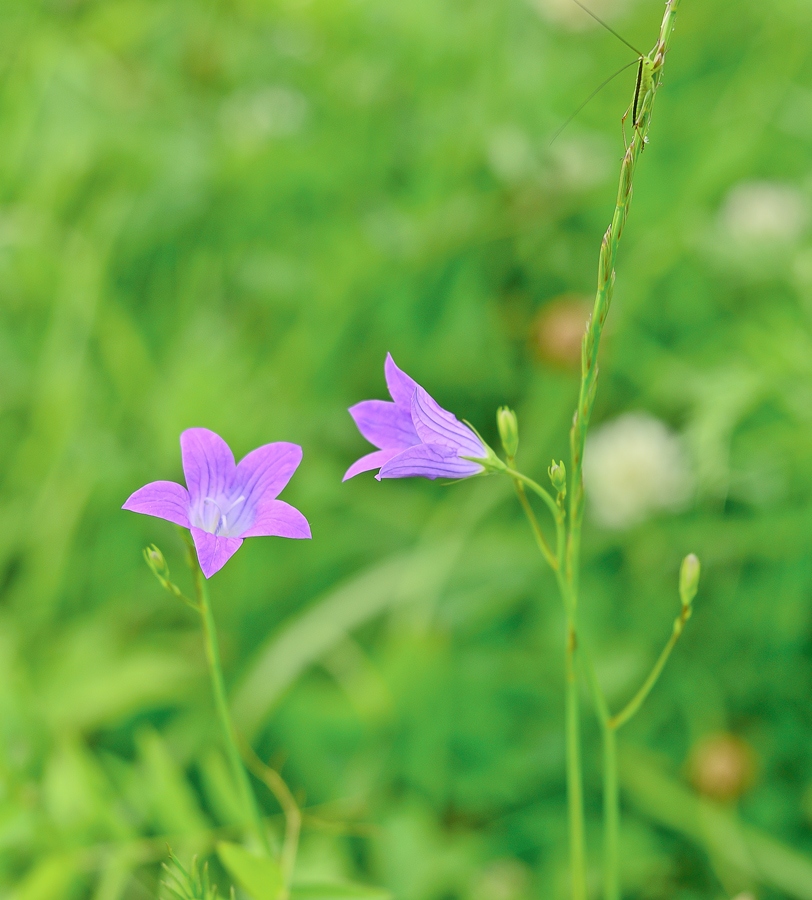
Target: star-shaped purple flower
414 434
225 502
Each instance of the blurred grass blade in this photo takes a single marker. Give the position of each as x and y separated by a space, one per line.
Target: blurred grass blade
260 876
338 890
748 850
286 655
53 878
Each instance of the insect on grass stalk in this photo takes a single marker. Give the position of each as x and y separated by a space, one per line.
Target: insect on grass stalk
566 560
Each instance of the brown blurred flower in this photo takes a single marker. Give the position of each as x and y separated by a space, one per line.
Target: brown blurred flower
722 766
557 330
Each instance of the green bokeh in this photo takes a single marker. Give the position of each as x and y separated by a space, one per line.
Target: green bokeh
225 214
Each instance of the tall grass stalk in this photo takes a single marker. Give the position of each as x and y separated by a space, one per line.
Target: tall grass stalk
568 516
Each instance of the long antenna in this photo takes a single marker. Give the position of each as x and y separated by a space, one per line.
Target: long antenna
608 28
597 90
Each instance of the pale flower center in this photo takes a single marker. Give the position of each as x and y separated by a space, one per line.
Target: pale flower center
215 518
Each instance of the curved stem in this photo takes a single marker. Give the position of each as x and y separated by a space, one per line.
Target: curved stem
537 489
541 541
637 701
221 704
290 808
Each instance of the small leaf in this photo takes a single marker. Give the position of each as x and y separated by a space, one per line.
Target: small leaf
338 890
259 875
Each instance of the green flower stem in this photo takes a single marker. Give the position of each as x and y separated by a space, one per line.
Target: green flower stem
541 541
609 727
637 701
221 703
611 815
290 809
575 793
537 489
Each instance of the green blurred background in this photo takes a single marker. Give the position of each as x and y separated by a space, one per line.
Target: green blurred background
225 214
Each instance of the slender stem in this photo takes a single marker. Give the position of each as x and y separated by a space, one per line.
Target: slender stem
637 701
290 808
598 698
611 815
543 546
537 489
221 703
575 794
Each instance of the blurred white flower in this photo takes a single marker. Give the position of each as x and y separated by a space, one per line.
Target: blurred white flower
757 211
634 467
274 111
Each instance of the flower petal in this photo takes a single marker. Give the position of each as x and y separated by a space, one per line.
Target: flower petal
401 386
213 551
385 424
436 425
208 463
163 499
280 519
370 461
426 461
263 473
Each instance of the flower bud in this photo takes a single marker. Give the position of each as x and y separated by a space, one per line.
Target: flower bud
158 565
689 579
508 430
722 766
558 476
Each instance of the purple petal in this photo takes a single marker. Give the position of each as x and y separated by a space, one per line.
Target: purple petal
426 461
280 519
208 463
401 386
163 499
263 473
213 551
385 424
370 461
436 425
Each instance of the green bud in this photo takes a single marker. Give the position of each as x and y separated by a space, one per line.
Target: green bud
508 430
689 579
155 559
558 476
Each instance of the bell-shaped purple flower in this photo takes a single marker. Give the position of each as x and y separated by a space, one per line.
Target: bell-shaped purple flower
415 436
225 502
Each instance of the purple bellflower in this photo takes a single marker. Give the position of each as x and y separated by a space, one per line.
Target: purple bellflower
225 502
415 436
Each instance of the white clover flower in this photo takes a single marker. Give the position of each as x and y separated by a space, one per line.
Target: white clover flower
763 211
635 467
275 111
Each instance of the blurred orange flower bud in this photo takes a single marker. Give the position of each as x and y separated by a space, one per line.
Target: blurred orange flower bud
722 766
558 328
